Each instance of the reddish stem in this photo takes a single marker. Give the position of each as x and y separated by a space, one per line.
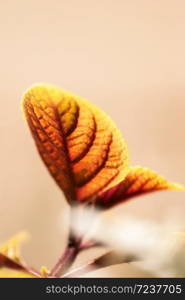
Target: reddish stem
67 258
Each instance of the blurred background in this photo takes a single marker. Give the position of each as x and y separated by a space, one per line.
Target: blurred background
128 57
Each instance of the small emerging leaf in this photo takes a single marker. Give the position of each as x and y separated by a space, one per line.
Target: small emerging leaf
44 271
80 145
138 181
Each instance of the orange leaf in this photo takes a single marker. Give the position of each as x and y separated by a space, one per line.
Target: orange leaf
138 181
79 144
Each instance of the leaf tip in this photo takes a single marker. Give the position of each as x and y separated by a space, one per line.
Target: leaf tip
177 187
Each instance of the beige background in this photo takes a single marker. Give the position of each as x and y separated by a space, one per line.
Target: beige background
128 57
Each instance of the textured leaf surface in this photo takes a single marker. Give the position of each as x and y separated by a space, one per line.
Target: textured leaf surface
138 181
79 144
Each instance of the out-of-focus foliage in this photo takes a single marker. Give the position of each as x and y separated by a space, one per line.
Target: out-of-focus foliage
13 273
11 263
11 248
